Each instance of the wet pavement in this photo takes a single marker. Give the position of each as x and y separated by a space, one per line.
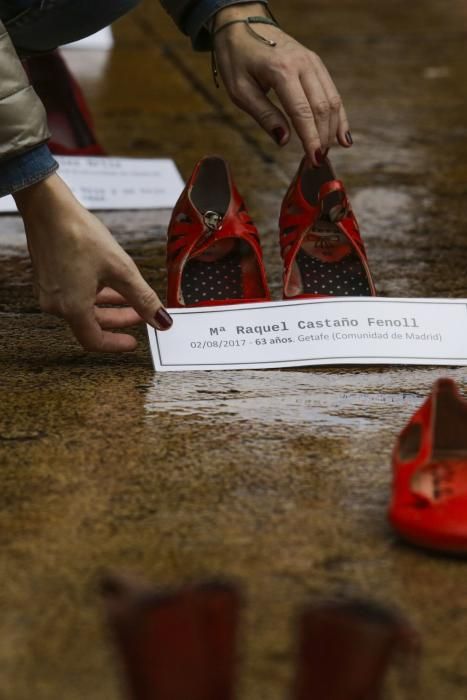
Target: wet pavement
278 479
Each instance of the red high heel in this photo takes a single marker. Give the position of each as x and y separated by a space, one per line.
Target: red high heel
68 115
429 499
320 240
174 645
346 649
213 251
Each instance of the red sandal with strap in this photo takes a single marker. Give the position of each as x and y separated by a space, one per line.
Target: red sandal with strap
429 499
213 251
321 246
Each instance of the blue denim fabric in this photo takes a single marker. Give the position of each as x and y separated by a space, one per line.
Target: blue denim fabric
26 169
193 23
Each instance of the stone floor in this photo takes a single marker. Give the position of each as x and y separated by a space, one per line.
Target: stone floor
278 479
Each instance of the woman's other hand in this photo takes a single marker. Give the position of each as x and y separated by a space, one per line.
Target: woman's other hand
78 265
299 78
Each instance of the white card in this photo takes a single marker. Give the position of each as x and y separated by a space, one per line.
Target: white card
100 40
102 183
328 331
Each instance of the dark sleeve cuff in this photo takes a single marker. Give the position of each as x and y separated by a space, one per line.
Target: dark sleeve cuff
26 169
194 22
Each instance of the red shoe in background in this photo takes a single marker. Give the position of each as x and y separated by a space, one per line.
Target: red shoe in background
321 246
174 644
347 648
213 251
429 499
68 116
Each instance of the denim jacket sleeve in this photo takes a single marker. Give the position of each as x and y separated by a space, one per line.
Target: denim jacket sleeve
191 17
25 169
24 157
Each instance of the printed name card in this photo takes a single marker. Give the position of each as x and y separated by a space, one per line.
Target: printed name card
102 183
328 331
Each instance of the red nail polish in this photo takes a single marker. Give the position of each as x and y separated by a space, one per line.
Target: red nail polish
162 320
278 134
348 138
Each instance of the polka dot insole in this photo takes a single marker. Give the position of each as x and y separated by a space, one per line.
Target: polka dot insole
347 277
213 281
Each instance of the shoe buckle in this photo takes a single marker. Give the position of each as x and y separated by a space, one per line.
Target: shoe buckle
212 221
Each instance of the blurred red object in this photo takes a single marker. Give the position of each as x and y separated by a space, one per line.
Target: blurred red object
346 649
176 645
68 114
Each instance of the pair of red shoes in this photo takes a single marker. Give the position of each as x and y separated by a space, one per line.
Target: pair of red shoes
183 644
214 254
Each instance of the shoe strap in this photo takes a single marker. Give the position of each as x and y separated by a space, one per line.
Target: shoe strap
341 215
338 211
300 217
190 234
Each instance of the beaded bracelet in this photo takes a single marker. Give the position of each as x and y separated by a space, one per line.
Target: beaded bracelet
248 22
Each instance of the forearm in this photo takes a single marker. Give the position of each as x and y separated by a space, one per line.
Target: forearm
193 18
238 11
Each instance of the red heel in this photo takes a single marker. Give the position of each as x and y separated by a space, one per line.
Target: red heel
175 645
213 251
320 240
68 115
346 649
429 500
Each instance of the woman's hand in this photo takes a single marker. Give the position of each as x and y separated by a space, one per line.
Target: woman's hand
78 264
299 78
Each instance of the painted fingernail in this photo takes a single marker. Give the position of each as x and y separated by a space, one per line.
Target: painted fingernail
348 138
278 134
162 320
319 156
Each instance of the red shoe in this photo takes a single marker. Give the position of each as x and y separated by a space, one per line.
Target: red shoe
429 500
213 251
320 240
346 649
175 645
68 115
